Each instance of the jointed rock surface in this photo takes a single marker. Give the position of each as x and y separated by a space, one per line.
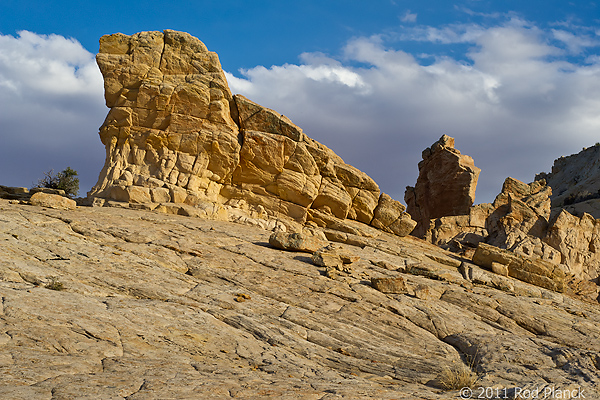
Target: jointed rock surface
157 306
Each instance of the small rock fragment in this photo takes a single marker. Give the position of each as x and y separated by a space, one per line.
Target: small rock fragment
389 285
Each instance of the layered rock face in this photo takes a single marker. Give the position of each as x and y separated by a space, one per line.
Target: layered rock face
575 182
175 133
445 186
520 221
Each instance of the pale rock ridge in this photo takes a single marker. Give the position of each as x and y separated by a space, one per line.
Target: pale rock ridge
575 182
176 134
445 186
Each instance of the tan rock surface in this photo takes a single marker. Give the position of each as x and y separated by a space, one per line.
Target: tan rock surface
175 133
52 201
575 180
160 306
445 186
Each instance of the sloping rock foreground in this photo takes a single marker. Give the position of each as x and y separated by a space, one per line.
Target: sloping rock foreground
176 134
110 303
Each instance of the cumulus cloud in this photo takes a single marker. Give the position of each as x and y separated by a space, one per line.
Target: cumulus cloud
51 93
513 101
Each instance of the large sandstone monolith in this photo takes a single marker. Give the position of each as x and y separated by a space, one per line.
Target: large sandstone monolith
176 134
445 186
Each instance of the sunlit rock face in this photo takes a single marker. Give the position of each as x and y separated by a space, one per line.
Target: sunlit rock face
445 186
175 133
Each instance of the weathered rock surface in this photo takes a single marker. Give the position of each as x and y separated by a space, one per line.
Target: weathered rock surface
535 271
575 182
43 199
176 134
160 306
445 186
520 221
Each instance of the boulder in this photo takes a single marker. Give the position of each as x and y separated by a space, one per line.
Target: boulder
389 285
42 199
175 133
389 216
296 241
445 186
333 256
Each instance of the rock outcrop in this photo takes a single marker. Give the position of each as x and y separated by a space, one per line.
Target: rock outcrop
176 134
111 303
520 221
445 186
575 182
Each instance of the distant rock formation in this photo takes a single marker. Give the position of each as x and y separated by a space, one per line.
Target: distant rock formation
176 134
445 186
519 220
575 182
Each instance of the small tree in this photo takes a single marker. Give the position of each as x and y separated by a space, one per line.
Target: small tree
66 180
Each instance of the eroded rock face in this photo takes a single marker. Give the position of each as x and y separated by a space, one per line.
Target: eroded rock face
445 186
575 182
520 221
535 271
175 133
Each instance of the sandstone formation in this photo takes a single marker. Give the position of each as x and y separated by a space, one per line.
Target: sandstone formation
117 303
445 186
520 221
575 182
176 134
535 271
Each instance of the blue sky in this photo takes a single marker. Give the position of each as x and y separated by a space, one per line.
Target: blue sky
517 83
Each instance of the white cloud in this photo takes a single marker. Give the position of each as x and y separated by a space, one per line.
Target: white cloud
575 43
52 106
409 17
514 107
513 101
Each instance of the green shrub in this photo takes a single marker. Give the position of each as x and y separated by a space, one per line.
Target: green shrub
66 180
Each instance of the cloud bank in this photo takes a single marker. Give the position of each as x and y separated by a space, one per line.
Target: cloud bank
51 93
518 98
515 97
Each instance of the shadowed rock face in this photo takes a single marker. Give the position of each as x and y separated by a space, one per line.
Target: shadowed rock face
445 186
175 133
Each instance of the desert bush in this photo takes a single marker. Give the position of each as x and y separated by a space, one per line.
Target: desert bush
457 377
66 180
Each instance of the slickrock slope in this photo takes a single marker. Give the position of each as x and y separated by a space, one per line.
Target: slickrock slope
445 186
176 134
158 306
